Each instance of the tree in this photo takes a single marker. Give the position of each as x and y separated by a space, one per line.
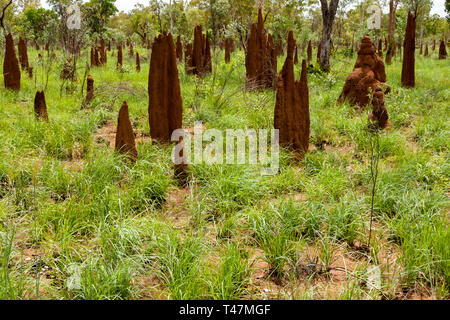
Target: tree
36 21
98 13
4 8
391 29
328 15
447 8
142 22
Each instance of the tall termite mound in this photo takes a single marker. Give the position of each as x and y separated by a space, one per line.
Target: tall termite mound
11 69
379 113
125 142
40 107
442 50
103 54
409 47
89 89
165 104
309 51
138 62
368 74
179 49
23 54
260 58
228 43
291 116
119 57
200 61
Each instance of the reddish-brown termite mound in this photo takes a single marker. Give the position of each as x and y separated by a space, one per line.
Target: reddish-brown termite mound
89 88
23 54
368 76
125 141
138 62
309 51
291 116
103 55
200 61
227 46
409 48
260 58
379 113
40 107
179 49
119 56
165 104
11 69
442 50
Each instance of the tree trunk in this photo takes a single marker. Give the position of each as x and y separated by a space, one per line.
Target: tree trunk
328 15
391 30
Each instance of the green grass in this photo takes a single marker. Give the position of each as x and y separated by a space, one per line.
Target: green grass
77 221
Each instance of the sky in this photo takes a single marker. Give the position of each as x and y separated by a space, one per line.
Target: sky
127 5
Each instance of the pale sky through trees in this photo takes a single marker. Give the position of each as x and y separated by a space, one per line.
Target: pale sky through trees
127 5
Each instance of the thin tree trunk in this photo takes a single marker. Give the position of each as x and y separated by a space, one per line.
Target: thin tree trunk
328 15
391 30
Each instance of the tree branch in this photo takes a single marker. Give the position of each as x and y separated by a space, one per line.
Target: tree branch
3 14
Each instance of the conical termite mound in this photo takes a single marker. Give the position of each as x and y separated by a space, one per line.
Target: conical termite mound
23 54
291 116
309 51
179 49
125 141
200 62
89 89
165 104
40 107
367 75
442 50
119 57
409 47
138 62
103 54
379 113
11 69
227 46
260 58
